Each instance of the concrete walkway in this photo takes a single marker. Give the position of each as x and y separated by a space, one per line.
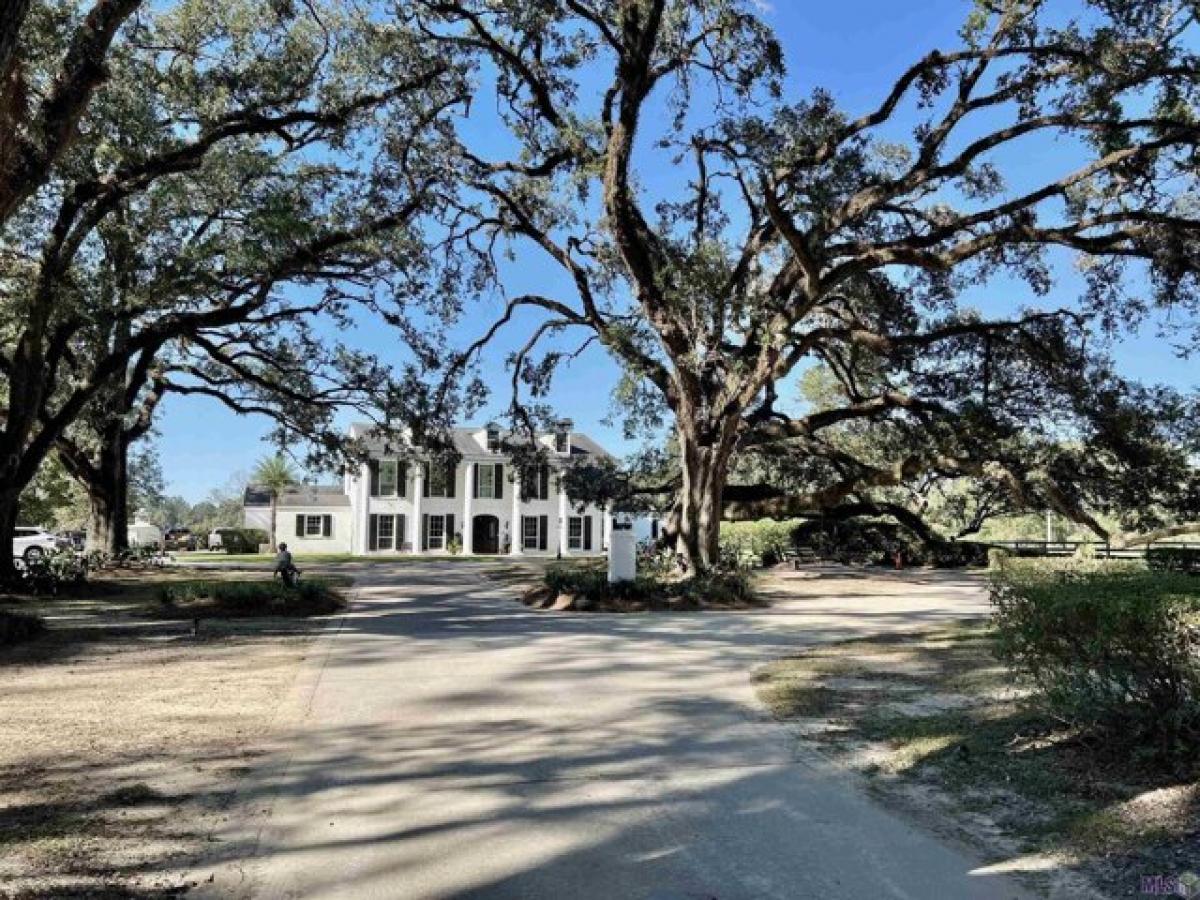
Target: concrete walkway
449 743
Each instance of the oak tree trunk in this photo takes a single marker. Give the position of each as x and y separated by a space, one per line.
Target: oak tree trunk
105 478
9 499
108 528
704 468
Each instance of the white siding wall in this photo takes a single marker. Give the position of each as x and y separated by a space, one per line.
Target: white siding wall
364 505
256 517
338 542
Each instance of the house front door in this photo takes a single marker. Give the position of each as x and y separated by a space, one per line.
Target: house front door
485 535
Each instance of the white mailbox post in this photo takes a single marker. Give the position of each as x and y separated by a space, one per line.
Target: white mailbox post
622 553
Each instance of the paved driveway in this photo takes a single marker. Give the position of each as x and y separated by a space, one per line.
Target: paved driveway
449 743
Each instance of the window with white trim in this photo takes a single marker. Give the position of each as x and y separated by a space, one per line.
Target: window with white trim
385 531
485 480
536 483
439 476
315 526
437 532
575 533
388 480
385 534
529 532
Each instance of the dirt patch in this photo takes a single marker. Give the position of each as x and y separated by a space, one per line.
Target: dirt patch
121 738
940 730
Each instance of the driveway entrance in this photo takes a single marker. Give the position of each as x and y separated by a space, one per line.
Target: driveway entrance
449 743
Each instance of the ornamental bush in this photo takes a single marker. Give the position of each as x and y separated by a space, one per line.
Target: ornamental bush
592 590
1108 646
1174 559
239 599
48 574
581 581
243 540
752 544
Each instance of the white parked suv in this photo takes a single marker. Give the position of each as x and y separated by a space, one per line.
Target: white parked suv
32 543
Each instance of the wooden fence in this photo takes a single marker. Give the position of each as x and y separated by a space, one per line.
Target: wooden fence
1069 548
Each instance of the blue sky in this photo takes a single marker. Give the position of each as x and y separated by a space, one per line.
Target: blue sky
855 49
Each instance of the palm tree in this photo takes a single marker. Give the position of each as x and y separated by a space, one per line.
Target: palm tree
274 473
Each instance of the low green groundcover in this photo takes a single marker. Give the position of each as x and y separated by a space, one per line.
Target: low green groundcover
237 599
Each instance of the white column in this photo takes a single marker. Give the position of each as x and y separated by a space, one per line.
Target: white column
562 519
468 495
360 503
606 529
418 490
516 533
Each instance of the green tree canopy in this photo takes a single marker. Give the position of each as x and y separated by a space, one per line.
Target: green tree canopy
236 170
783 232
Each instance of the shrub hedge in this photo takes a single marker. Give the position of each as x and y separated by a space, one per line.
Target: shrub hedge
761 543
592 587
238 599
1174 559
1108 646
876 543
243 540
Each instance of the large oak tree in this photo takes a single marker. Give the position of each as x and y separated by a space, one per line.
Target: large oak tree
228 168
717 237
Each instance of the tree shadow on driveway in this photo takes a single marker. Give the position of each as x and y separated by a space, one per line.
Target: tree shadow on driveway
454 743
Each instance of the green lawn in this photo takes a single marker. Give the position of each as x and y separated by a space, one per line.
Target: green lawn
322 558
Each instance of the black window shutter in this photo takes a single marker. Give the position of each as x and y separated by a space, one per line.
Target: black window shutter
401 479
373 465
400 532
587 532
425 532
543 482
299 526
449 530
475 482
543 527
499 492
424 481
373 533
450 479
327 526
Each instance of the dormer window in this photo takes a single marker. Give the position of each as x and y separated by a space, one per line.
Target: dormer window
562 437
493 439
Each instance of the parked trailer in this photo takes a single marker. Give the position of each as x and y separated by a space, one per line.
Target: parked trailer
143 534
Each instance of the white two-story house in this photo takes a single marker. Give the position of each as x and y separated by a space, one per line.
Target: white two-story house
404 502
